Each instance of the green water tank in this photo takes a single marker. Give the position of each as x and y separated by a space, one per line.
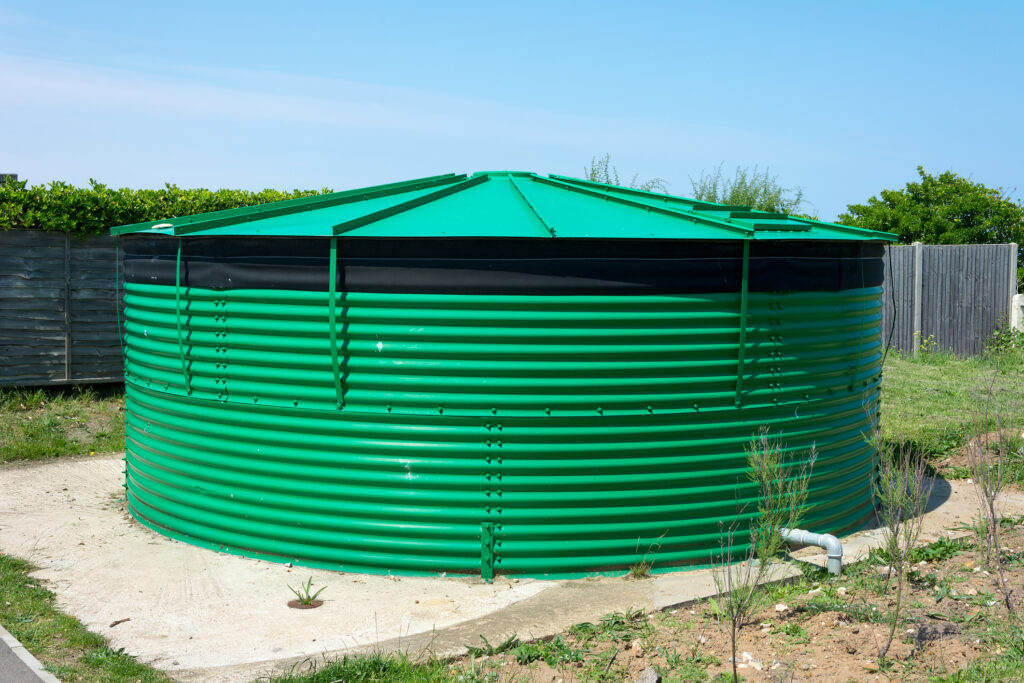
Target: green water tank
500 373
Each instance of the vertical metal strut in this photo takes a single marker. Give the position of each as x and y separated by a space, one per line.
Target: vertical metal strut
743 322
332 294
487 551
118 300
177 316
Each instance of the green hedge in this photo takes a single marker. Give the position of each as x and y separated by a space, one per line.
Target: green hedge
93 210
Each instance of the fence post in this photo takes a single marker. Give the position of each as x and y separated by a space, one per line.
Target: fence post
1014 248
67 306
918 295
1016 300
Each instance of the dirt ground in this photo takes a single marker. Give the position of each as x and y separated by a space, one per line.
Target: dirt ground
960 461
816 628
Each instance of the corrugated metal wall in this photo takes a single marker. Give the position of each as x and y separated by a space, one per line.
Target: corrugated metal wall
953 295
577 433
57 318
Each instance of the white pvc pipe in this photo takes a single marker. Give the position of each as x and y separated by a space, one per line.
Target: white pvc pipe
830 543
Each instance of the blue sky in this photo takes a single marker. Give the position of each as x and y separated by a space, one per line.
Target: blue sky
840 99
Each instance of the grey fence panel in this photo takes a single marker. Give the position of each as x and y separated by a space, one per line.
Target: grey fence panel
58 322
32 338
962 294
898 298
966 291
95 345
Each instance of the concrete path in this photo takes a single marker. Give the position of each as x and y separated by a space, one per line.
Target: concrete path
205 616
17 665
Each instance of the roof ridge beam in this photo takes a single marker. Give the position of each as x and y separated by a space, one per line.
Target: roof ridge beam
634 191
405 206
187 224
550 228
675 213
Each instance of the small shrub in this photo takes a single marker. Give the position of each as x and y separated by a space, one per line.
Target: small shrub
902 490
1004 340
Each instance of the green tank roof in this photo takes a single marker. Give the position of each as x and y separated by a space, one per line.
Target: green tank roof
506 204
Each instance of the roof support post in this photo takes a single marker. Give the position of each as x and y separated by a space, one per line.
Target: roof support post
177 317
119 301
744 286
332 293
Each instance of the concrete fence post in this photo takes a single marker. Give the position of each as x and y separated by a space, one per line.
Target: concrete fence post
1016 300
1017 313
918 295
1014 248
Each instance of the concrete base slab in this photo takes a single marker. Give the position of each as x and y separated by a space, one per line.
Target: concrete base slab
206 616
182 607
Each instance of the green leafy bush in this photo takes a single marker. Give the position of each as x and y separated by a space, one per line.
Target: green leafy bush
942 209
83 211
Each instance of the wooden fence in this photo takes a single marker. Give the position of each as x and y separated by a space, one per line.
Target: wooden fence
947 297
58 322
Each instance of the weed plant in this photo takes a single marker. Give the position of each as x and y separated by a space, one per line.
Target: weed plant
304 593
992 458
782 493
902 490
781 497
489 650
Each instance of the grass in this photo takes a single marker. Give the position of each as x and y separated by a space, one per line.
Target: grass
41 423
372 668
64 646
640 570
929 403
586 648
1006 667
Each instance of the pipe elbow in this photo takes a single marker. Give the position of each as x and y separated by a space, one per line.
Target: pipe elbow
833 546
